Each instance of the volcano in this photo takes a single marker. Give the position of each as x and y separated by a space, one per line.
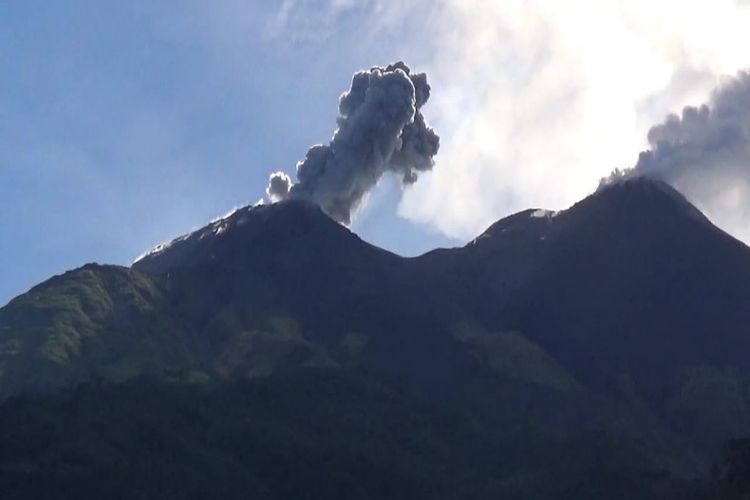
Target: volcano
617 325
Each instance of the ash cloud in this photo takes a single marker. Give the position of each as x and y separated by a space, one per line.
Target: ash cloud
705 153
380 129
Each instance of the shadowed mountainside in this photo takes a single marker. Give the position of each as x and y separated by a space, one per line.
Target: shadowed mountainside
624 315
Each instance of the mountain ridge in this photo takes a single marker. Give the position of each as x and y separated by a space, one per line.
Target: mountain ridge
625 314
292 259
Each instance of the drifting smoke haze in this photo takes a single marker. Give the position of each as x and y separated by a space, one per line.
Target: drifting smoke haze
380 129
705 153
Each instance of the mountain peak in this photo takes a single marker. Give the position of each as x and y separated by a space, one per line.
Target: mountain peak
630 198
639 193
530 222
253 224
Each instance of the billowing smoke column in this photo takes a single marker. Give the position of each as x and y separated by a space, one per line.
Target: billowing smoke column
705 153
380 129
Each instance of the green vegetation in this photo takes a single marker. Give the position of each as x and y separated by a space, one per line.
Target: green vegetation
523 426
711 403
259 353
513 355
97 322
313 435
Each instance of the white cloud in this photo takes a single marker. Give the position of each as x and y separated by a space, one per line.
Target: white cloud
536 100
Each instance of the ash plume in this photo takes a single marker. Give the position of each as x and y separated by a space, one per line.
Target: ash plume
705 153
380 129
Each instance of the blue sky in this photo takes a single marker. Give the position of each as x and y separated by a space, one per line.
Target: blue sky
124 124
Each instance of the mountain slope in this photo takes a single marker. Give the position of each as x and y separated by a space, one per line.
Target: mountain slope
290 262
314 435
634 279
631 283
95 322
631 278
624 315
635 293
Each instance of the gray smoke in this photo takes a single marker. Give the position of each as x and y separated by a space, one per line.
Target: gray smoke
705 153
380 129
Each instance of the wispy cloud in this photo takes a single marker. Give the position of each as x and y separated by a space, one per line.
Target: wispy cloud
311 20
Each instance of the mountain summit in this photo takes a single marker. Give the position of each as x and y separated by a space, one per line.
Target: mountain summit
247 232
